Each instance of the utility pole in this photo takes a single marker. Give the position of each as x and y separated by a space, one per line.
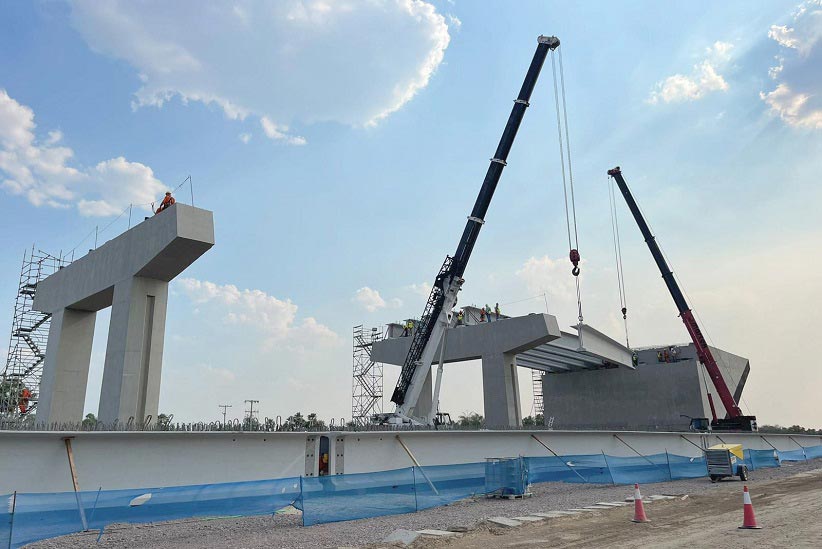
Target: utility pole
250 410
225 407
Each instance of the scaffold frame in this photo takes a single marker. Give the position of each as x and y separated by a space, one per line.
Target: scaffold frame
367 382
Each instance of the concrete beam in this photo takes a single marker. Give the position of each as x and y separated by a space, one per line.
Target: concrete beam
510 335
496 343
160 248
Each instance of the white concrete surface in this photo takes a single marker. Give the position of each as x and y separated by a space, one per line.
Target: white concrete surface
129 273
36 461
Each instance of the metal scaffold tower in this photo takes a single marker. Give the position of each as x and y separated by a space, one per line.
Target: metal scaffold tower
367 387
27 345
536 380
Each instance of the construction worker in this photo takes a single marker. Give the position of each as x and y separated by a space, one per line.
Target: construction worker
25 395
167 202
409 327
482 315
460 317
496 310
488 312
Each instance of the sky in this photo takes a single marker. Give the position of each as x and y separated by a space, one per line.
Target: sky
341 146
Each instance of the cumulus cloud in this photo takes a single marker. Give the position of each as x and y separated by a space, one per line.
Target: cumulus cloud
550 276
703 79
274 319
369 299
40 169
798 78
423 289
285 62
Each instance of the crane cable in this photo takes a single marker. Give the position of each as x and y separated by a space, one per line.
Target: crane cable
623 302
567 184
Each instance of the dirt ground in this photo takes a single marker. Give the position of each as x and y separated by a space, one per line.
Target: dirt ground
789 510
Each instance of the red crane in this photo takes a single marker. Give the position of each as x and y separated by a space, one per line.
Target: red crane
736 420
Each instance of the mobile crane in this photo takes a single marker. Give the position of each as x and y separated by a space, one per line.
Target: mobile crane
443 298
735 420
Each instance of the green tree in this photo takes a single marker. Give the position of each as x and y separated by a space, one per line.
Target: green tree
471 420
532 421
90 421
163 421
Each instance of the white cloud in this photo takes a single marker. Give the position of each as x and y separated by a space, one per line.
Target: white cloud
550 276
286 62
369 299
273 318
798 78
423 289
245 137
280 132
219 375
703 79
40 170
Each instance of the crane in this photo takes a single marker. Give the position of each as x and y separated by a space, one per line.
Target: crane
443 298
735 419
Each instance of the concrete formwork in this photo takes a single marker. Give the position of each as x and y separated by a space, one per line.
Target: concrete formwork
130 274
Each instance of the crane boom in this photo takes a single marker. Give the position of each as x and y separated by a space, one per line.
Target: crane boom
436 317
736 419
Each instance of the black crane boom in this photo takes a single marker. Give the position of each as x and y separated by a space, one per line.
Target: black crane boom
454 267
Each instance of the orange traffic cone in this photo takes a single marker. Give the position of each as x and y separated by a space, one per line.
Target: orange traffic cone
639 508
749 520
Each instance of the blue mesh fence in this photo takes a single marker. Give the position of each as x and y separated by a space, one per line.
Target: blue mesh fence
340 497
758 459
630 470
40 516
355 496
452 483
687 467
792 455
575 468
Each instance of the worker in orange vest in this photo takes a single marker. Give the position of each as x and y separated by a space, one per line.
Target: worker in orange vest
167 202
25 395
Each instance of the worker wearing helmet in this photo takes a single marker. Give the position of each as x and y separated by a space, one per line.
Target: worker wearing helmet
167 202
25 395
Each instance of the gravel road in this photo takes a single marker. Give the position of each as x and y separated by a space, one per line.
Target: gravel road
284 531
788 511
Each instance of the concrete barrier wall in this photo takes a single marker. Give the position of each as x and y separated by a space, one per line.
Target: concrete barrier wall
36 461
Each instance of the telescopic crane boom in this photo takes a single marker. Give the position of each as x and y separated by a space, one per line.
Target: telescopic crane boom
735 420
443 298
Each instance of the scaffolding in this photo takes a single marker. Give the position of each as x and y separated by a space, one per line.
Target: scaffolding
536 380
367 385
27 344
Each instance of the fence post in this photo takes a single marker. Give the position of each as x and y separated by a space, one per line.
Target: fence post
302 499
414 477
11 520
668 459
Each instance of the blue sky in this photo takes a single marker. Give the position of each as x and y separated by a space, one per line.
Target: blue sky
341 146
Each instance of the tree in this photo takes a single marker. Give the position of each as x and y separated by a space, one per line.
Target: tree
532 421
470 419
90 421
298 422
163 421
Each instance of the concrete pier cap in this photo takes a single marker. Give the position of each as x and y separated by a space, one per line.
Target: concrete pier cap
497 345
130 274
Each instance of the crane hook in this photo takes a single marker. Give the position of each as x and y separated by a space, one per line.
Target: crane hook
574 256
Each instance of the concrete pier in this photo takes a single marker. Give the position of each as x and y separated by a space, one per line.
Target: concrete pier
130 274
496 344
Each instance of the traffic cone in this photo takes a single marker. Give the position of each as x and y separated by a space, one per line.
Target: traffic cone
749 520
639 508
